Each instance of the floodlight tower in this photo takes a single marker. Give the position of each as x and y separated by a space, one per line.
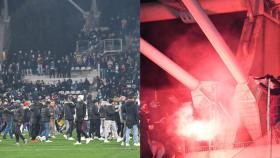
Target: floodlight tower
92 17
4 27
82 11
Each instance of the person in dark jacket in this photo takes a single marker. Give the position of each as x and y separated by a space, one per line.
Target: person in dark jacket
80 115
69 112
45 122
52 69
2 123
18 120
90 104
94 117
110 123
35 120
132 119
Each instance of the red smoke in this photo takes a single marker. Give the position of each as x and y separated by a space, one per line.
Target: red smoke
187 46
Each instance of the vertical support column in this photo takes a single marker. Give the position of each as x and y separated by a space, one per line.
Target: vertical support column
6 10
268 115
96 13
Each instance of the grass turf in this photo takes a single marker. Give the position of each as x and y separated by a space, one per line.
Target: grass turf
61 148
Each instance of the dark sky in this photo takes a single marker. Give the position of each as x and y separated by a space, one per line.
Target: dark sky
55 24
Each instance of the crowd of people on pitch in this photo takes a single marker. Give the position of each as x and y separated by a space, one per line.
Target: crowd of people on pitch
42 111
45 117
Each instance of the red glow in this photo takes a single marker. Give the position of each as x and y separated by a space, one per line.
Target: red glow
215 39
168 65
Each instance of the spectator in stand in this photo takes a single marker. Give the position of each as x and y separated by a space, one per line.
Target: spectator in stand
59 68
29 70
52 69
24 67
40 62
64 68
68 68
33 62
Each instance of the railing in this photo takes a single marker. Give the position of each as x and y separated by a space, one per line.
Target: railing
102 47
112 45
106 46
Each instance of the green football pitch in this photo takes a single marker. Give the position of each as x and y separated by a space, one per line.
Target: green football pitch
61 148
